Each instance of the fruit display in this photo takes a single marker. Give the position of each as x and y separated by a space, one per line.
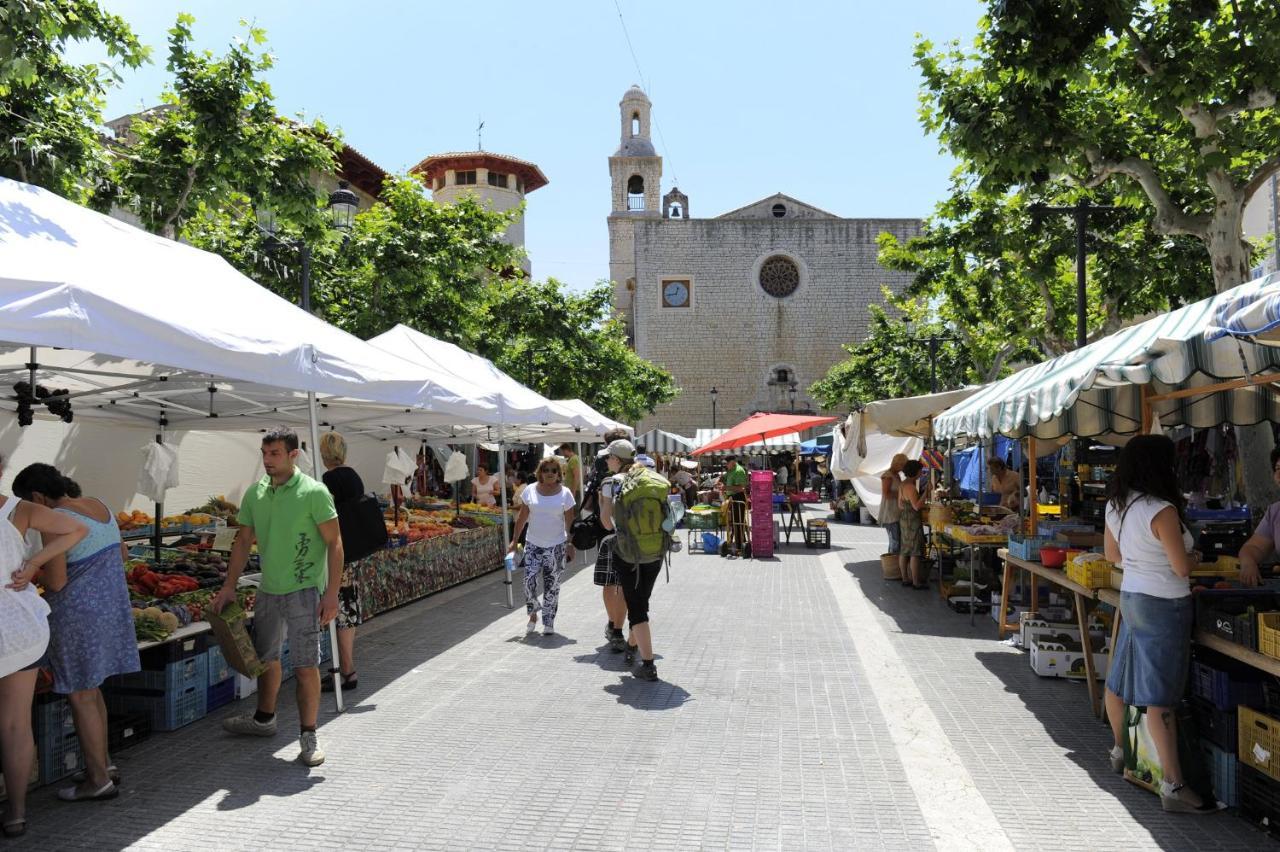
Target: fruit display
417 525
218 507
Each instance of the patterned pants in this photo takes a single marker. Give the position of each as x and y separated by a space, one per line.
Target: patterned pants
548 562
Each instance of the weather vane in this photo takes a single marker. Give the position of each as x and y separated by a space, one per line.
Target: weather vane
479 135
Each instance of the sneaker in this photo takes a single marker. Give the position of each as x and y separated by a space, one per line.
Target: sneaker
608 630
617 642
246 725
311 754
530 628
548 630
646 671
631 654
1117 763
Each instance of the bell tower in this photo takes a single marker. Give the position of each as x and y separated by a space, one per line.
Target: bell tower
636 172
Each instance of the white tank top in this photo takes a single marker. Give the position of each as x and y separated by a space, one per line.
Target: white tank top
1142 556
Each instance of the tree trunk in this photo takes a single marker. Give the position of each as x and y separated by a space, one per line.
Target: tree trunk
1229 255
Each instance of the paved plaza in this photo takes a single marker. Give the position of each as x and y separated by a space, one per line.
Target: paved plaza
804 704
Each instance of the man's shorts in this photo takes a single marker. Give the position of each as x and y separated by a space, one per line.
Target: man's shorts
604 574
296 615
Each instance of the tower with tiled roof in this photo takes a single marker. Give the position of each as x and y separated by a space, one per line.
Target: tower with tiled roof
498 181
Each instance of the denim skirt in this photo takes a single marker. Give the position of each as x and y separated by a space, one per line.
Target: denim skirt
1153 651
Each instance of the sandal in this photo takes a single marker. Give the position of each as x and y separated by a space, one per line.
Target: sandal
113 772
73 794
349 682
14 828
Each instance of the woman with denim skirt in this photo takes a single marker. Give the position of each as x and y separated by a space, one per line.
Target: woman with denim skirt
1146 536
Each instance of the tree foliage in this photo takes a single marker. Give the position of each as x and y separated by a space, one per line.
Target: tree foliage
217 134
50 109
1172 102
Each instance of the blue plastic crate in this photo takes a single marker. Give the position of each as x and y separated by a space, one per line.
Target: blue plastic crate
217 666
1224 771
220 694
51 717
174 677
173 650
1051 528
1217 726
326 647
1226 689
167 711
1028 548
59 757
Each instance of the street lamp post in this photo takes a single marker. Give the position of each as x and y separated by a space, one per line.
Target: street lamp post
791 394
1080 211
714 394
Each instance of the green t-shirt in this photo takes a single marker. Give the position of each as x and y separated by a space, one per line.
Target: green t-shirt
286 522
737 476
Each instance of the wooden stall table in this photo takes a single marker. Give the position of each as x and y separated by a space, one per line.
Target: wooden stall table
975 544
1083 598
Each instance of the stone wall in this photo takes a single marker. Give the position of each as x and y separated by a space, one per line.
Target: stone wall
734 335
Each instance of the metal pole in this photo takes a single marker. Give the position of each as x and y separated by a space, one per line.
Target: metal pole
1082 220
506 524
155 533
933 363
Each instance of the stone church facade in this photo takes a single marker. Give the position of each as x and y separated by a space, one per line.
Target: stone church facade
755 303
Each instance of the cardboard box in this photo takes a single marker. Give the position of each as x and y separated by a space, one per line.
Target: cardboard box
232 632
1032 628
1061 656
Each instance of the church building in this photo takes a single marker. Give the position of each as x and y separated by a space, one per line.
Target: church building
746 309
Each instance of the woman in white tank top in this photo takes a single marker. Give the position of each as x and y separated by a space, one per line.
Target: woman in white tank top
1145 535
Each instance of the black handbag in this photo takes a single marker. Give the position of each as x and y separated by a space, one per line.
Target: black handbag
363 530
585 533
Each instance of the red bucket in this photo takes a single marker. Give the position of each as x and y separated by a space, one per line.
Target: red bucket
1053 557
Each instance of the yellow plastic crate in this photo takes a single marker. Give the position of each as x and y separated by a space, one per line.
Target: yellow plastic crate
1269 634
1091 575
1259 742
1225 566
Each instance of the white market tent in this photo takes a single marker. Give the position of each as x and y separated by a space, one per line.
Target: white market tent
911 416
1164 369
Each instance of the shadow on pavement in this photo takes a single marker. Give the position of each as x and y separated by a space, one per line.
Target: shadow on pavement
288 778
646 695
1067 719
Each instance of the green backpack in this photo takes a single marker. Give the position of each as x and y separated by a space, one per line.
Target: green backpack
638 515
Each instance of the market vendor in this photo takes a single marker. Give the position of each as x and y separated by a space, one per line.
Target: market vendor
1007 483
484 488
1261 545
734 482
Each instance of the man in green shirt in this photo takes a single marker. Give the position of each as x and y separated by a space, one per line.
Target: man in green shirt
292 518
734 481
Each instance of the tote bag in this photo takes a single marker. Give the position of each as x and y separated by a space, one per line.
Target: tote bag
24 629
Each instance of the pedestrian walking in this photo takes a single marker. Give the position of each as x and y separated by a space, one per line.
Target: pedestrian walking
91 634
615 456
546 516
572 469
615 605
293 520
638 514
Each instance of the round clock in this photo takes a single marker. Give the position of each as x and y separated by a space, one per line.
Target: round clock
675 294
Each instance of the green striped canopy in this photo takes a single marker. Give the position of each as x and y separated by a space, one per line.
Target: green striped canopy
1097 390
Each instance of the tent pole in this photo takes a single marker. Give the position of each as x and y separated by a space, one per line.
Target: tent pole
155 532
1148 409
1035 501
335 664
506 528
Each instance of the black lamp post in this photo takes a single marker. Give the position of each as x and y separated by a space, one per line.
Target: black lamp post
714 394
343 204
934 340
1080 211
791 395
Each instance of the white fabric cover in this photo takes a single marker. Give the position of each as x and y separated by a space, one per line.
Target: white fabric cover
399 466
910 416
159 471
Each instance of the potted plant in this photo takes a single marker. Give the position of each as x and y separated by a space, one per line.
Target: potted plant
850 504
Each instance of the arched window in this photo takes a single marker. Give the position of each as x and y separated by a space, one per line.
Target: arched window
635 124
635 193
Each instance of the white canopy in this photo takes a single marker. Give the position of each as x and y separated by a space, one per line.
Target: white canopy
911 416
149 325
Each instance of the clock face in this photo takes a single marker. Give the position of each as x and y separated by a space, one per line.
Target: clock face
675 294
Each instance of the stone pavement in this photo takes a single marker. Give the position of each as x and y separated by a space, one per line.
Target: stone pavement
804 704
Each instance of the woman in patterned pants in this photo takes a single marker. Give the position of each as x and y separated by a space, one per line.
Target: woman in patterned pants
547 513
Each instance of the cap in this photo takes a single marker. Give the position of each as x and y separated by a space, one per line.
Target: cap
646 460
623 449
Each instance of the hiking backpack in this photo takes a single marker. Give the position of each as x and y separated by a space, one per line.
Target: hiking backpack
638 515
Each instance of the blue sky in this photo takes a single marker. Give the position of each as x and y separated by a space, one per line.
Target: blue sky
817 100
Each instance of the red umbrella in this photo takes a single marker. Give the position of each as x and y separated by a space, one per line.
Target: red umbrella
757 427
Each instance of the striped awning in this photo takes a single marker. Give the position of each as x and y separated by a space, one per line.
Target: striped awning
666 443
1097 390
777 444
1254 312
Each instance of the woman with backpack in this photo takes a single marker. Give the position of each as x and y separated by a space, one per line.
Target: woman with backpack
632 524
547 515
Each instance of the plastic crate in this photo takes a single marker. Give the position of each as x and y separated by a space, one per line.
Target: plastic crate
1269 634
1232 614
1028 548
1091 575
1227 686
1259 799
1049 529
220 694
217 668
126 731
189 647
1259 742
326 646
59 757
817 537
51 716
1223 772
174 677
1216 726
167 711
